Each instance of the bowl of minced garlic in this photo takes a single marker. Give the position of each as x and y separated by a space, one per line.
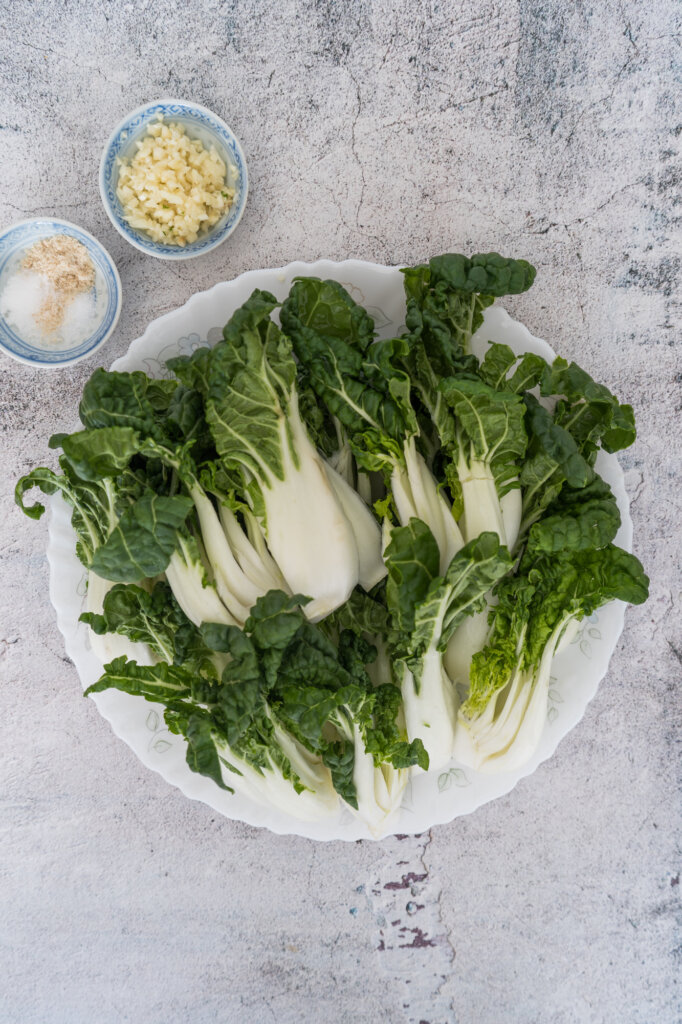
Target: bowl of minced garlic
60 293
173 179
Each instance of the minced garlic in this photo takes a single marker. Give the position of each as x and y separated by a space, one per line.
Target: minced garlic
173 188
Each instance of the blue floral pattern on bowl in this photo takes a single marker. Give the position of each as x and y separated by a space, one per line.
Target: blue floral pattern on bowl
13 243
199 123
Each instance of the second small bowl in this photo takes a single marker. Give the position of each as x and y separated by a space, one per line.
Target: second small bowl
59 349
199 123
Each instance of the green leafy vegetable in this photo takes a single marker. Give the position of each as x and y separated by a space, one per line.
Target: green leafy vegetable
491 443
251 400
336 559
364 385
500 724
427 609
141 543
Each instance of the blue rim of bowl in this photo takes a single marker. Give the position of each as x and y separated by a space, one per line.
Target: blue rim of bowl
132 123
25 233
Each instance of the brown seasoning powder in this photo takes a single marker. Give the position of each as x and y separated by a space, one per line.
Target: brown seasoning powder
66 264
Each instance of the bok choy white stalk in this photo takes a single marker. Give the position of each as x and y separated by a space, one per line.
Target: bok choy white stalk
251 401
427 609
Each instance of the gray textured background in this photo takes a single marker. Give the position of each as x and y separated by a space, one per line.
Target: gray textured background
390 131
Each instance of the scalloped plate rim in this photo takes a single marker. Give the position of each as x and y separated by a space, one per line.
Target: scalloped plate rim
254 814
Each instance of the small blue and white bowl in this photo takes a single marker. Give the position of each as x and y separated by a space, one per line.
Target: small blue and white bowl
106 295
198 123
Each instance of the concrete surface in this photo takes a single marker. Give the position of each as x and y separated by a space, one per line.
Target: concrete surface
389 131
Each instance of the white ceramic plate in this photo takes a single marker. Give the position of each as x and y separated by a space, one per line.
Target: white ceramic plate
432 798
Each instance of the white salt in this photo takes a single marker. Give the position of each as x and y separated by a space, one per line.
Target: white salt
26 292
81 318
22 298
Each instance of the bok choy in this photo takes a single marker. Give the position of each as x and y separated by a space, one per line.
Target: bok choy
334 559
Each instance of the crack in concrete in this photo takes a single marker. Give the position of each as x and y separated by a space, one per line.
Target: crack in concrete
602 101
548 226
70 62
354 150
356 157
40 209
